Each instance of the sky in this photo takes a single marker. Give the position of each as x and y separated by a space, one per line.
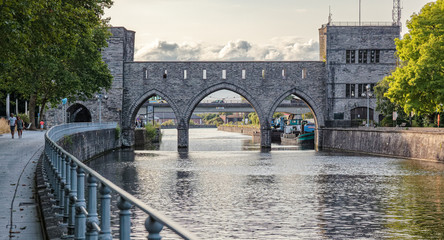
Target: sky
241 29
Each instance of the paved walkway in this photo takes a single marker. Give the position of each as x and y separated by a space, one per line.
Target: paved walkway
18 160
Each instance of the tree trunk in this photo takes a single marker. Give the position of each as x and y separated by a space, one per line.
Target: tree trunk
42 110
32 105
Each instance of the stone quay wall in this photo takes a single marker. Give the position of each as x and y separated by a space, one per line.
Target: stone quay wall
420 144
85 145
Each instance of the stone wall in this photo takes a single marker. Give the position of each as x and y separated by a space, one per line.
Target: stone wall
422 144
86 145
335 41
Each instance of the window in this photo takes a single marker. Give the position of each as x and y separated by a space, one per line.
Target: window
361 89
224 74
204 74
165 74
283 74
349 90
185 74
374 56
263 73
304 73
145 73
350 56
244 74
362 58
338 116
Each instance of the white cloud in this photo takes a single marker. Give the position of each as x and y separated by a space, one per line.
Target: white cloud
278 49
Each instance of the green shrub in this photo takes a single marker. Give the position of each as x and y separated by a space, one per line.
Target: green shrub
151 131
118 132
167 123
24 117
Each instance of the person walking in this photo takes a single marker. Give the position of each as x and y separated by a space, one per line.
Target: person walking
20 126
12 122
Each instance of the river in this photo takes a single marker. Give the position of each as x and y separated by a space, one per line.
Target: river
226 188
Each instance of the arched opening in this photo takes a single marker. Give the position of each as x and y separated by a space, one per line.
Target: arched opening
78 113
358 116
223 120
151 113
294 121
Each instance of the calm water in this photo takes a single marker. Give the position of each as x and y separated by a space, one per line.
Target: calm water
225 188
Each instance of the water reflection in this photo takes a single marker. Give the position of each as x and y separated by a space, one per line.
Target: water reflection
238 194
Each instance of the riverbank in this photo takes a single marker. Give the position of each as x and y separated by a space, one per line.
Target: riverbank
251 130
412 143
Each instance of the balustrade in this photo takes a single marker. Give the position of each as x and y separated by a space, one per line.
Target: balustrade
66 177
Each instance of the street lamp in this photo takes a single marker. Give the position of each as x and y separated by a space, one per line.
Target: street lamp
368 94
99 97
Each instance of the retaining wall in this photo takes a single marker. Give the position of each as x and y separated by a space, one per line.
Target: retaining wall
85 145
421 144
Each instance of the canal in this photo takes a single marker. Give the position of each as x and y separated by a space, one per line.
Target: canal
225 188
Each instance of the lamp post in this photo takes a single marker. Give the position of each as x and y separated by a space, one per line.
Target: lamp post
368 94
99 97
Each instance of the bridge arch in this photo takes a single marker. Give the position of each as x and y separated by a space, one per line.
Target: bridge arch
223 86
312 105
135 106
315 108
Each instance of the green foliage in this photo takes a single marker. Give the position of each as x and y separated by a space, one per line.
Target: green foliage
308 115
151 131
192 122
417 85
216 121
209 118
168 123
254 119
67 140
50 49
24 117
118 132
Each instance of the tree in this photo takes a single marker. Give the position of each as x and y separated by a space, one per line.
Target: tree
417 84
57 53
253 118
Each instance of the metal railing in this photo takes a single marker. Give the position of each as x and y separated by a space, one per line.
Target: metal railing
66 176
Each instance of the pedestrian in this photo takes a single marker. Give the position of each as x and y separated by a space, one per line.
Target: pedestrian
20 126
12 121
41 124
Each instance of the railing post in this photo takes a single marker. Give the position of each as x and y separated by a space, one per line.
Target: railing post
72 198
105 210
153 227
125 220
92 208
62 182
67 189
80 228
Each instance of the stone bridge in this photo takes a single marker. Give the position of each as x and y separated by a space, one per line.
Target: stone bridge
351 58
184 84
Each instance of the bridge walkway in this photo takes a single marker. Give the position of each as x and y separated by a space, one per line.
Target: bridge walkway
18 208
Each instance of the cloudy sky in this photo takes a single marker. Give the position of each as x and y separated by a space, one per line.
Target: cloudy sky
241 29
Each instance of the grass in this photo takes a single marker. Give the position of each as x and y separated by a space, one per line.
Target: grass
4 126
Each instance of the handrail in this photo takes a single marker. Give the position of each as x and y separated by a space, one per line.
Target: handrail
66 175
